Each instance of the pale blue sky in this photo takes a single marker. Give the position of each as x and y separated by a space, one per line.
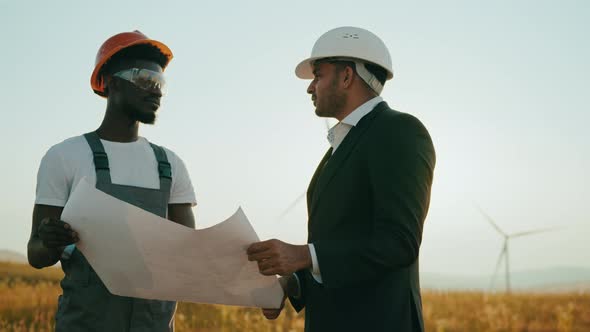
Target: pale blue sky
502 86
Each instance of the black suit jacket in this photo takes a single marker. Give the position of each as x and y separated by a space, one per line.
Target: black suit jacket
366 205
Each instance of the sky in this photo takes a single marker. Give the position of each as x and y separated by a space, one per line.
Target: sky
502 86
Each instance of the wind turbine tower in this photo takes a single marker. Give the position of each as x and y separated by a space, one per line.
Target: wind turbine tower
504 253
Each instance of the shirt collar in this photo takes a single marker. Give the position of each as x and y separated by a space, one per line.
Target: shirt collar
356 115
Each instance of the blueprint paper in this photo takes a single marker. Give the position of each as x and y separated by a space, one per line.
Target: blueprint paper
138 254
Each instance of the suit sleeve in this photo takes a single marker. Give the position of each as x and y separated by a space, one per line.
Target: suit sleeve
400 166
299 303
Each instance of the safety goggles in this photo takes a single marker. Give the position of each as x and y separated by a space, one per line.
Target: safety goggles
144 79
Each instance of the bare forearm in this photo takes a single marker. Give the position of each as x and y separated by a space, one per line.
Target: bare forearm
41 255
181 214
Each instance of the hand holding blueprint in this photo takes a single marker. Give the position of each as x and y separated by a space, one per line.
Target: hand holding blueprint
149 257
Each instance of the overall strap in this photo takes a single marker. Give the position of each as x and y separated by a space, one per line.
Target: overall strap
101 161
164 168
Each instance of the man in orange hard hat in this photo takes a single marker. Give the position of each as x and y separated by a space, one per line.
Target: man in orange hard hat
367 200
129 74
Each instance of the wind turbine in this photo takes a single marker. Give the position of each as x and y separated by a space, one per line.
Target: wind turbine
504 254
291 207
301 196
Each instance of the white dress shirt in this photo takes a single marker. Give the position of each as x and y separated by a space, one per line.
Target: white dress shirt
336 135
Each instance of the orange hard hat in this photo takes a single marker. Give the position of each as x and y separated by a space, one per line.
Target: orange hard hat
115 44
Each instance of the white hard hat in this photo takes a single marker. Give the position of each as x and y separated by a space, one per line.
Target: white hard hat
352 43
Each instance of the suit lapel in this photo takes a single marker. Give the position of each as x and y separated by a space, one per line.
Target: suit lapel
314 179
338 158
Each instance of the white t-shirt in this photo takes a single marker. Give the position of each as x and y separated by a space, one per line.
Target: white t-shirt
132 164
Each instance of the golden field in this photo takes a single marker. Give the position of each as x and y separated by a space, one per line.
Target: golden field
28 300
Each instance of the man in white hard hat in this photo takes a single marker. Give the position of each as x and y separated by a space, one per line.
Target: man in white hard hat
367 200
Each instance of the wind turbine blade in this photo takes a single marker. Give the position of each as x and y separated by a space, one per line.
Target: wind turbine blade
291 206
491 221
498 263
535 231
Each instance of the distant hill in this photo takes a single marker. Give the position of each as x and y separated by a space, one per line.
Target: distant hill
12 272
12 256
581 287
559 279
552 279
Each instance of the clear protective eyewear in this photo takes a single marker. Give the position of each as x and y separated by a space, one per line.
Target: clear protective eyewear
144 79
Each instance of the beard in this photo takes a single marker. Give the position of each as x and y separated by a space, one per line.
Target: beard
332 102
144 116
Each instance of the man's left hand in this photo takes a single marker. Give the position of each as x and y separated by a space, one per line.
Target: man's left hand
277 257
272 314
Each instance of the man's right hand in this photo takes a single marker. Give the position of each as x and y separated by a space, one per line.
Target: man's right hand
55 233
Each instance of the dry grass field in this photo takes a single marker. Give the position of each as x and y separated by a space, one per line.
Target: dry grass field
28 300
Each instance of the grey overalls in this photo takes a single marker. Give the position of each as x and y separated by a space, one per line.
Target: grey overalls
86 304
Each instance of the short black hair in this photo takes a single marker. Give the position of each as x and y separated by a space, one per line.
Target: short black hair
379 72
145 52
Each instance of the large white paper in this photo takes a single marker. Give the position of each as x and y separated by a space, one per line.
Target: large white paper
138 254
